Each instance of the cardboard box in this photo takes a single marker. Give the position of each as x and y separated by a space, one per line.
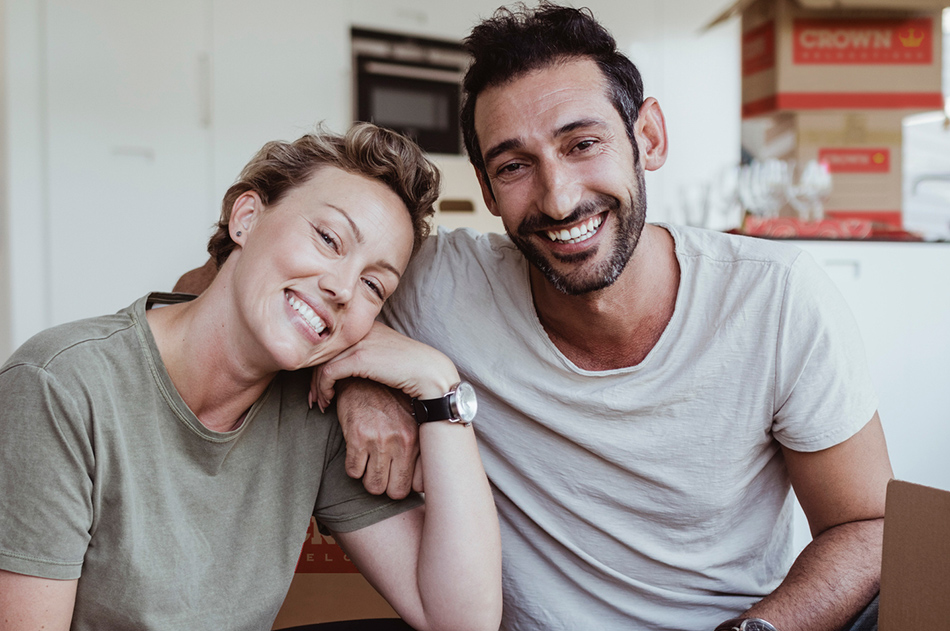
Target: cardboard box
915 572
844 54
327 587
861 149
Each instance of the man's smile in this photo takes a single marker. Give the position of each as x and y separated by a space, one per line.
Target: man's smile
577 233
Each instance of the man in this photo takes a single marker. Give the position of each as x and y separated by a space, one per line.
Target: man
647 393
651 390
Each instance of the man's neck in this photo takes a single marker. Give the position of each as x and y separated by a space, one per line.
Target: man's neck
618 326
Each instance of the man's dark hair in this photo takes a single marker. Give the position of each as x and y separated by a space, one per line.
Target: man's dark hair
512 43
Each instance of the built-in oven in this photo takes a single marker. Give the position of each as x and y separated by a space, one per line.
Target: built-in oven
411 85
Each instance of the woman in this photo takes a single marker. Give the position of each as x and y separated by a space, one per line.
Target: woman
160 466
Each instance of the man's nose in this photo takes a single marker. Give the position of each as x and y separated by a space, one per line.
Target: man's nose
560 191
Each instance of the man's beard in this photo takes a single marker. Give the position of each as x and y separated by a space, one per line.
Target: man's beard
630 216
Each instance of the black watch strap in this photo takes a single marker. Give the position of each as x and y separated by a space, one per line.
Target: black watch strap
431 409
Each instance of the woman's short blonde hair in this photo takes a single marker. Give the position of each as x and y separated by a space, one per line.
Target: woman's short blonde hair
367 150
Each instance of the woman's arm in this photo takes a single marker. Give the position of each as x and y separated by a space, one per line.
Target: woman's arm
438 565
28 603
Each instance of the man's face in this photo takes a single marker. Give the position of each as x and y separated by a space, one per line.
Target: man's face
566 182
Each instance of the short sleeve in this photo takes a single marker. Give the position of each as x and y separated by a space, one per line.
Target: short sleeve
823 389
46 479
343 504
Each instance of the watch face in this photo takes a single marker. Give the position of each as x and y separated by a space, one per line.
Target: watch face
465 402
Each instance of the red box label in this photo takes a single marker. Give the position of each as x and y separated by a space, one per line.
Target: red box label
863 42
758 49
321 555
851 160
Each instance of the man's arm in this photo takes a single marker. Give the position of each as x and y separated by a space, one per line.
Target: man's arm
382 437
842 491
28 603
198 279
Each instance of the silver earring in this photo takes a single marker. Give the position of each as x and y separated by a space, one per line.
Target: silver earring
238 233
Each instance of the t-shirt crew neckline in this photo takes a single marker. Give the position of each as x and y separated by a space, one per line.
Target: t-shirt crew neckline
657 348
163 379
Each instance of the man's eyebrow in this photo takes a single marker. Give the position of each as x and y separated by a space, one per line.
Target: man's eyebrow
501 147
353 226
515 143
579 124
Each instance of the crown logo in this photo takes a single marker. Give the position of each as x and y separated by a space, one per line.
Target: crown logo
909 40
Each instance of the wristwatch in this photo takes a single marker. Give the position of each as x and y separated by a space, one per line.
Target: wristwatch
457 406
746 624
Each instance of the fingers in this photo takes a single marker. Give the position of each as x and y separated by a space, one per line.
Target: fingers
356 459
321 387
417 484
401 474
376 478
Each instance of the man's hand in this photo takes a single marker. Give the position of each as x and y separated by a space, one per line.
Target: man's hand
382 437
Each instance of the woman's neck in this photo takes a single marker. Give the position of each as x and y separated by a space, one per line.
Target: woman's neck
197 342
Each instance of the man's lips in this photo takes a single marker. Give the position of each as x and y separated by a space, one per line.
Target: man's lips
577 233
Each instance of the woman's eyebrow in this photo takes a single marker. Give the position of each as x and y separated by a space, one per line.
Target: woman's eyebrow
353 226
386 265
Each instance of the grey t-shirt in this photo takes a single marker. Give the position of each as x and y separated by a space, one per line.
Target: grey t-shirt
654 496
108 477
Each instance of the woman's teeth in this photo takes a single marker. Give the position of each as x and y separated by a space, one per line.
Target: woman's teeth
307 314
578 233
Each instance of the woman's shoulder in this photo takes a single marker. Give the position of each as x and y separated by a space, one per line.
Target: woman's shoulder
73 342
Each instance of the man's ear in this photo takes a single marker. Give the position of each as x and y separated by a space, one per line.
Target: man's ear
244 214
650 132
486 192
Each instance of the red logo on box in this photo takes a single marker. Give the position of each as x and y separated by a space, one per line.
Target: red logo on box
850 160
863 42
321 555
758 49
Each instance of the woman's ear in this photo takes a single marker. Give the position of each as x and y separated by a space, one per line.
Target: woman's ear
244 214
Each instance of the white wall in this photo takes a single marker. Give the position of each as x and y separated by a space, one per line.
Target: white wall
4 247
125 124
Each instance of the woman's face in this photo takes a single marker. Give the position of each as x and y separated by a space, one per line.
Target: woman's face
314 269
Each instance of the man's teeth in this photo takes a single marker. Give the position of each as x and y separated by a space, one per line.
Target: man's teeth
307 314
578 233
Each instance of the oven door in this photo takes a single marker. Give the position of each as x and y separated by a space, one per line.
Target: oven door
421 102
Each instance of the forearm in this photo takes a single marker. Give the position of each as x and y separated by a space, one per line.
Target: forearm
459 571
833 579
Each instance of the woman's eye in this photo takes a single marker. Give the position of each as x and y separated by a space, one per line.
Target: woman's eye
328 238
374 286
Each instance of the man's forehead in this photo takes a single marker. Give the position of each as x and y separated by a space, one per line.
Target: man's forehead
551 97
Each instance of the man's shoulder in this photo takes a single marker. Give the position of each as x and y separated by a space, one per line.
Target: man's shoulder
467 243
449 253
726 247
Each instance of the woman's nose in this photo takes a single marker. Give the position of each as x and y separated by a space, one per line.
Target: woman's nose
338 286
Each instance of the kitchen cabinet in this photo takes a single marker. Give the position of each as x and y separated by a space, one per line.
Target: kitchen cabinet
900 296
128 145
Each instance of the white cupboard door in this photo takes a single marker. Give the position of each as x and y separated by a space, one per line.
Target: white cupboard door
129 149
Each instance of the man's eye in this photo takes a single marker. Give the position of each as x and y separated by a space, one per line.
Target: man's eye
511 167
584 145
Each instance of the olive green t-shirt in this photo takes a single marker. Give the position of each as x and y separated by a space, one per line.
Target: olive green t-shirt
108 477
